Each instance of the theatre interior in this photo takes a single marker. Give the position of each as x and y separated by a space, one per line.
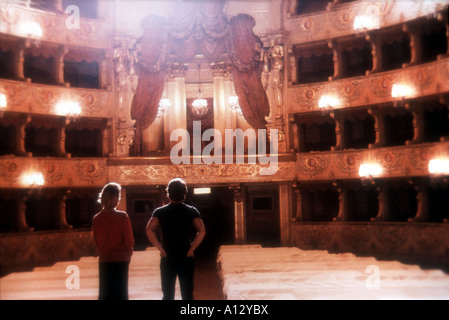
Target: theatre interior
313 137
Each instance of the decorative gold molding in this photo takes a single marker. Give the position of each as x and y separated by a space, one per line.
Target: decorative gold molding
91 33
397 162
427 80
338 22
41 99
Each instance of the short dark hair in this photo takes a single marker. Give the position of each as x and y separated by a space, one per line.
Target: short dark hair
177 189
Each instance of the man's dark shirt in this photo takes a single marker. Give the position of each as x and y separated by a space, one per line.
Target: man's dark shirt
176 220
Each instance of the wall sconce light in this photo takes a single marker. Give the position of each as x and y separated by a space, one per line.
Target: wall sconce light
368 171
439 166
400 92
31 30
68 108
327 104
234 105
368 21
33 179
3 102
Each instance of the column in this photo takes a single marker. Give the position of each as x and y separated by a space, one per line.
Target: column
239 214
59 65
336 57
418 123
339 132
19 58
153 141
176 115
292 67
376 51
20 137
343 204
379 127
62 138
285 201
21 223
63 224
422 200
383 214
220 72
106 133
298 204
294 144
414 33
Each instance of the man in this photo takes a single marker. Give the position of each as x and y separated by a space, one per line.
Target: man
175 221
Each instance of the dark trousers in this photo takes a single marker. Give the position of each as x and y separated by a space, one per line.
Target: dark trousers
113 280
177 267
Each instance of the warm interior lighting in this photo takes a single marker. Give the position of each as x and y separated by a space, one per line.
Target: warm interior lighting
3 101
368 21
31 30
439 166
33 179
164 105
368 170
401 91
201 191
328 102
235 105
365 22
199 106
68 108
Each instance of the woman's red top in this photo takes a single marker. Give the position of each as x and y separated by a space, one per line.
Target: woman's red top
113 235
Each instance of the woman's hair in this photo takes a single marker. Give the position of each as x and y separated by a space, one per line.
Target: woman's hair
109 197
177 189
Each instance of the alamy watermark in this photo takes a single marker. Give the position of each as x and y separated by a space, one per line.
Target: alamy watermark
73 20
373 280
73 280
212 153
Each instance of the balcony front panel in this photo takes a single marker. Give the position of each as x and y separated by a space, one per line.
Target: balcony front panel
56 28
55 173
148 172
425 80
396 162
42 99
339 22
427 242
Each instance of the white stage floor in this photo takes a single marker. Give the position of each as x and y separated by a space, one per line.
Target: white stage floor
247 273
49 283
255 273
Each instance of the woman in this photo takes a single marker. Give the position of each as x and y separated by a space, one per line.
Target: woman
114 240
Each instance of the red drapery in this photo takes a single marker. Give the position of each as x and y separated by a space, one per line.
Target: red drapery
212 35
242 47
151 61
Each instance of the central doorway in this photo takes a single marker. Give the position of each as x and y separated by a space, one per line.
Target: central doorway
216 206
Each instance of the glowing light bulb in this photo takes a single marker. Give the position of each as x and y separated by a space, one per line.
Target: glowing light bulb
234 104
33 179
370 170
439 166
31 29
68 108
328 102
401 91
3 101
